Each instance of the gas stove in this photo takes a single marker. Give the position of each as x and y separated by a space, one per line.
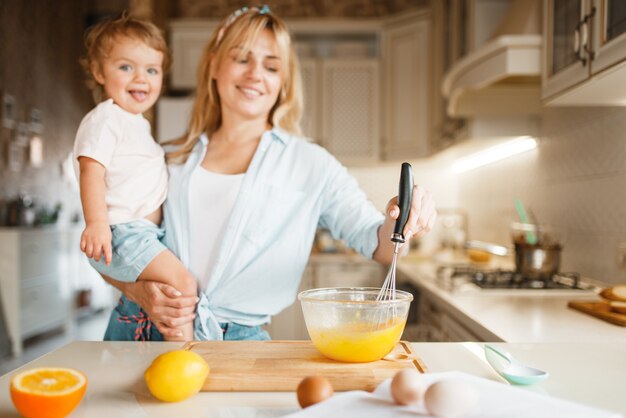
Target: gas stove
474 278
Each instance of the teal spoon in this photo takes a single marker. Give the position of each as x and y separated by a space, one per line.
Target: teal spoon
509 368
531 237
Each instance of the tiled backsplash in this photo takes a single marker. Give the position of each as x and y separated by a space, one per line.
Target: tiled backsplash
575 181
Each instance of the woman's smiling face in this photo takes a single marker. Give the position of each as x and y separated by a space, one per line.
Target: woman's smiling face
249 83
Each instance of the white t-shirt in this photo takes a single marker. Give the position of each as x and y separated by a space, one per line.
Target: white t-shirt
136 174
211 200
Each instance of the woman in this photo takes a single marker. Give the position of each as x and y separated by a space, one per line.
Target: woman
247 194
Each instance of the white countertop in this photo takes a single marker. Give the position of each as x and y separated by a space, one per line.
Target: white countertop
589 373
514 316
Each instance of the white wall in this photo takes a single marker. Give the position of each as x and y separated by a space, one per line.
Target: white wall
381 182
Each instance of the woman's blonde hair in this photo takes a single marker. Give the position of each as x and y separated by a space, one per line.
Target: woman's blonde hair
241 29
101 37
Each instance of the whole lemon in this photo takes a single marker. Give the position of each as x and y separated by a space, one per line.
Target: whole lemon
176 375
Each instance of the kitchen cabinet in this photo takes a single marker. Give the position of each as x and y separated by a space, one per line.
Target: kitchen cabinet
340 109
450 42
347 271
437 320
310 122
407 93
345 66
42 270
289 324
438 324
341 82
173 114
584 52
35 296
325 270
84 278
188 39
609 37
349 109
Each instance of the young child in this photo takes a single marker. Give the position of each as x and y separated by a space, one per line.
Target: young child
121 169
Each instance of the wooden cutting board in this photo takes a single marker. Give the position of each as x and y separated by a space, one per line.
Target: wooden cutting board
600 310
279 366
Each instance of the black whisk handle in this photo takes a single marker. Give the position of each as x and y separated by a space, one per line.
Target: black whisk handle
405 195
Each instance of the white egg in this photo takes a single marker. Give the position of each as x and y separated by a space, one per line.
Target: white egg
450 398
407 387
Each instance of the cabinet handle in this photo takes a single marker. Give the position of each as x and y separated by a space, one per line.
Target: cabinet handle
582 47
584 38
585 44
580 38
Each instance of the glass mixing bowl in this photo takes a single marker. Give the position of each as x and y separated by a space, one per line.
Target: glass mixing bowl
347 323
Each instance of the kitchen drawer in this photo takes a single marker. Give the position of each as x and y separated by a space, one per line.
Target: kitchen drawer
40 306
455 332
430 326
39 255
54 319
39 280
289 324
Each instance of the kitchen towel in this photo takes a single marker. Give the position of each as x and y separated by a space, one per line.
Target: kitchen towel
495 400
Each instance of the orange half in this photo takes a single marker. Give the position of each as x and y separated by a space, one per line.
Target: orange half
47 392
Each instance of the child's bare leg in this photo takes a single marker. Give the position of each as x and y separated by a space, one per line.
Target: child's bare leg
166 268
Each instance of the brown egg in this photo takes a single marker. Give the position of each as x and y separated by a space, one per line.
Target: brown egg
407 387
314 389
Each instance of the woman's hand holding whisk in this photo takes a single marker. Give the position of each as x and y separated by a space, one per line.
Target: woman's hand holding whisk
422 216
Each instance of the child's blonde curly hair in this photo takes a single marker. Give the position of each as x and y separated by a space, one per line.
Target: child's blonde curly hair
101 37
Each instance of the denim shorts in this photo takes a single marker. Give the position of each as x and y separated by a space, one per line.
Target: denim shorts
128 322
134 244
237 332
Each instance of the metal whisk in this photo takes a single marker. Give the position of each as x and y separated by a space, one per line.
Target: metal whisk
405 194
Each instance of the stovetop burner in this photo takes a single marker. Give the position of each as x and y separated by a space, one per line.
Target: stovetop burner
507 279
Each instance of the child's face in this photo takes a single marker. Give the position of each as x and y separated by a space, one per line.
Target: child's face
249 86
132 74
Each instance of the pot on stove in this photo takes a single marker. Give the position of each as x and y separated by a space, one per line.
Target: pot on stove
538 261
537 251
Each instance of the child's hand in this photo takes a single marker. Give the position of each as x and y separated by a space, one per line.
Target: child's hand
96 241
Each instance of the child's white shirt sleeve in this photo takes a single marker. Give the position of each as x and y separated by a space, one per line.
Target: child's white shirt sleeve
98 136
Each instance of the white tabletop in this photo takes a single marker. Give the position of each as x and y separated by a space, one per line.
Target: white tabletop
586 372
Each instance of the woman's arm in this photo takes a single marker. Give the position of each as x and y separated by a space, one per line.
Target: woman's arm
96 238
165 305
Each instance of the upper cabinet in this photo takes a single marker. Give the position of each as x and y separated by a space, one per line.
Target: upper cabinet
367 86
500 73
349 109
450 42
188 39
488 57
407 87
584 52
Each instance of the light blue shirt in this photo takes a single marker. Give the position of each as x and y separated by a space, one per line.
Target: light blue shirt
290 187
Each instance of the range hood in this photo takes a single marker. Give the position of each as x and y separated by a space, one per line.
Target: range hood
503 76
